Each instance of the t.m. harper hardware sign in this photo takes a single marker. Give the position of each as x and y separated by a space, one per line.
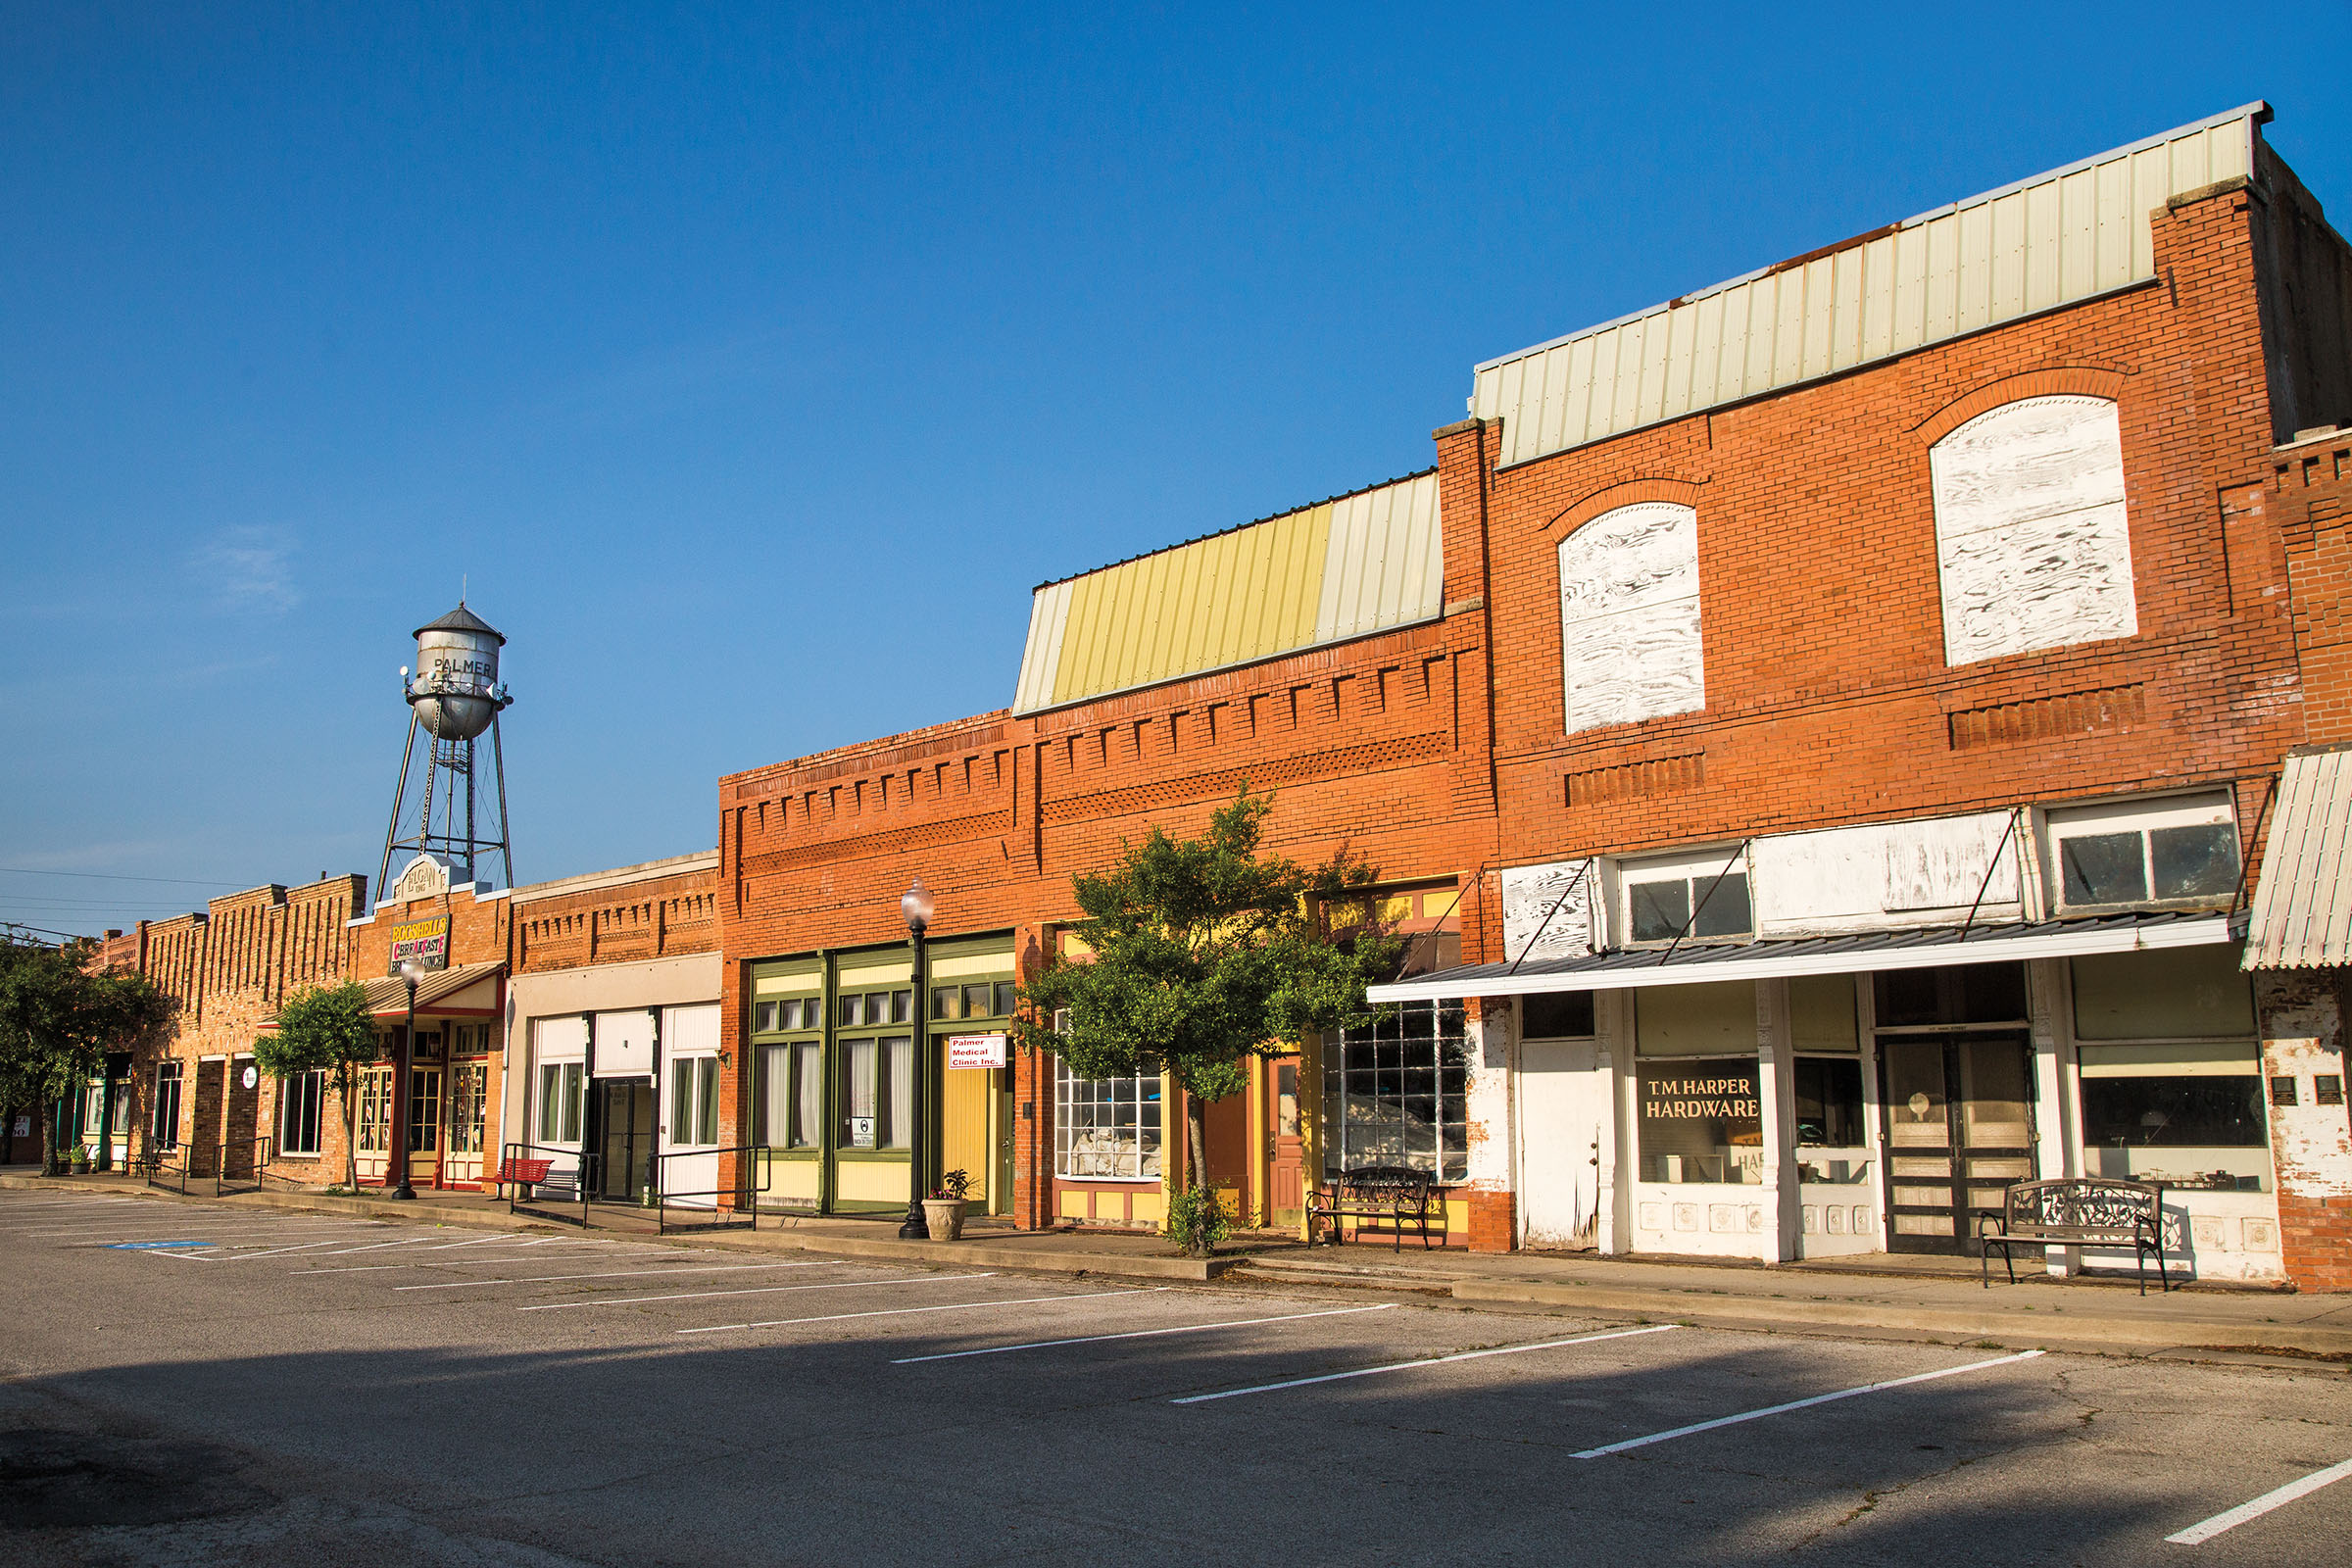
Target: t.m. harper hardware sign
426 941
1715 1097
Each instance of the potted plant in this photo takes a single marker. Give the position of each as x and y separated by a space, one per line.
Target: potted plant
943 1210
77 1158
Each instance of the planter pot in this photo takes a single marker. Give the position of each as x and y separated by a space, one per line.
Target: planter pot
945 1217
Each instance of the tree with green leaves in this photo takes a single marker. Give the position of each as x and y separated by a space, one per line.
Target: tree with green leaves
1206 953
59 1015
324 1029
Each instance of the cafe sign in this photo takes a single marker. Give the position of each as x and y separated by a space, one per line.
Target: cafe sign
426 941
976 1050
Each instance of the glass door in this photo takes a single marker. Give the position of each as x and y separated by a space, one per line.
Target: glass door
1959 1129
425 1125
627 1124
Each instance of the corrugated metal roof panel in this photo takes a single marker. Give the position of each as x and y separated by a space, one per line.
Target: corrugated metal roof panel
1925 948
2050 240
2302 916
1342 569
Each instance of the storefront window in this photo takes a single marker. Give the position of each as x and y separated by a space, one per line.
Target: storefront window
1829 1103
2196 1130
376 1109
694 1102
1106 1128
1966 993
1395 1092
1702 1120
1561 1015
877 1092
559 1094
298 1107
166 1105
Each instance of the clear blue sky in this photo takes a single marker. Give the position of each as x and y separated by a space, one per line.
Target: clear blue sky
756 363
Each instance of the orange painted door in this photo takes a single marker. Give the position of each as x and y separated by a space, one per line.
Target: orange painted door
1286 1174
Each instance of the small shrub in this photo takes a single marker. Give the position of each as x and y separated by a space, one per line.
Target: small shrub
1197 1221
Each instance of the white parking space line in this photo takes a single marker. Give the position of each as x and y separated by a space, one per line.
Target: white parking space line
1141 1333
377 1246
476 1240
475 1261
1802 1404
754 1289
2198 1534
610 1274
1433 1361
908 1311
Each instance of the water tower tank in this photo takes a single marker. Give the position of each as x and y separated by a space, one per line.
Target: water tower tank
454 692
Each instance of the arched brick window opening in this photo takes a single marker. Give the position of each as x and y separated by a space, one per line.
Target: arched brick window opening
1630 645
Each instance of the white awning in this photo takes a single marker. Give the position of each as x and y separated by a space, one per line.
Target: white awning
2302 915
1930 948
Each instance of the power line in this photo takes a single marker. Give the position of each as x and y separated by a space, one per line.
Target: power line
113 877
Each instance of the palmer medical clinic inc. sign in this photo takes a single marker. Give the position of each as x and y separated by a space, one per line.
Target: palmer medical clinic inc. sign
426 941
976 1050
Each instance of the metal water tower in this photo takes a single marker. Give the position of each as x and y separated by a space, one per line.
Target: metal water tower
454 695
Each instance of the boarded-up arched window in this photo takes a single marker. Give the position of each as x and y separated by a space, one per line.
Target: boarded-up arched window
1629 616
2031 539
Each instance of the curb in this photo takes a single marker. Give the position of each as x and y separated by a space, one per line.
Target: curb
2105 1332
1198 1270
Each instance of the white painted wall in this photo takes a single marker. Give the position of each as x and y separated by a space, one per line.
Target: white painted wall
1886 875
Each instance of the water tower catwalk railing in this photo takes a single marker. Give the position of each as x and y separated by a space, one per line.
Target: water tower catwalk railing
454 698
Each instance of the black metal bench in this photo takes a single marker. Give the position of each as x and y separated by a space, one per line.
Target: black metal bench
2077 1211
1399 1195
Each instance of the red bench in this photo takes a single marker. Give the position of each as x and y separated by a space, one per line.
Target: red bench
519 1174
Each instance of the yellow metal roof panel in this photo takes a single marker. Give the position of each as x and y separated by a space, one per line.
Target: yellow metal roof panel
1342 569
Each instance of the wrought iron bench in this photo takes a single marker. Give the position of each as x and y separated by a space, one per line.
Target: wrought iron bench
1400 1194
519 1172
2077 1211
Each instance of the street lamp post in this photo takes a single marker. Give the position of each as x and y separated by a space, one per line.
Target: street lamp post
915 906
396 1136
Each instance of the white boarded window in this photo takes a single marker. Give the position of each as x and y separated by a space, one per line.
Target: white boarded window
1629 616
2031 539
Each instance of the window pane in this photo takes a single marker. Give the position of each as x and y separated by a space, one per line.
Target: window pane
550 1102
852 1009
764 1018
575 1082
1659 909
2102 868
1006 995
1829 1101
773 1096
902 1007
1724 911
681 1100
1701 1120
1562 1015
858 1109
2194 862
975 1001
946 1002
809 1080
707 1100
2174 1112
899 1071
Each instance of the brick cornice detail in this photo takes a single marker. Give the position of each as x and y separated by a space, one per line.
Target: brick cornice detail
1629 492
2064 381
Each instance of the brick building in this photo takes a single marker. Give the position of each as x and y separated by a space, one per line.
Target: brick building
198 1103
1833 714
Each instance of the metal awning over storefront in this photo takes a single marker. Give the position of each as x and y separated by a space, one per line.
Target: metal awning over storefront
2302 916
388 996
1787 957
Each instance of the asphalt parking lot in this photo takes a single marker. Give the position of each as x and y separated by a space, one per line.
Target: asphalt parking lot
204 1384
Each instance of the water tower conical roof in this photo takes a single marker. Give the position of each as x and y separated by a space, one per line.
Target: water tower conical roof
461 619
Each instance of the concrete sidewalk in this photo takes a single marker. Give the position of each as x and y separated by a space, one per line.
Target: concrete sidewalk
1937 1302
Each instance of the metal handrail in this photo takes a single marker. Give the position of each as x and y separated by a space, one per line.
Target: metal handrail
582 1175
159 1162
742 1192
258 1146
